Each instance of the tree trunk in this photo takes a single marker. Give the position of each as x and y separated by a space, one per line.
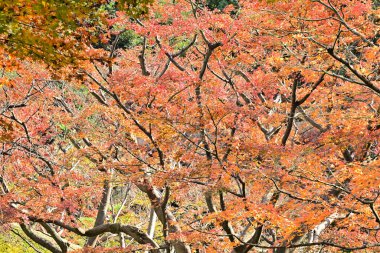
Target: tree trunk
102 211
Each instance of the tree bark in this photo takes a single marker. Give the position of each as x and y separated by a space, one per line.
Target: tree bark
102 211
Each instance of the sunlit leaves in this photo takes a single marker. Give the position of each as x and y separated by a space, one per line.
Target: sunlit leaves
196 105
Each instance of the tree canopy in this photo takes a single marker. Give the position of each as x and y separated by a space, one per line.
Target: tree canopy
196 126
54 30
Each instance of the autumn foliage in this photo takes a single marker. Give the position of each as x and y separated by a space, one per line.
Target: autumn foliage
250 128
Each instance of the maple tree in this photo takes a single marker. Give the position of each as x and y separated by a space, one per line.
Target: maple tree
53 30
250 128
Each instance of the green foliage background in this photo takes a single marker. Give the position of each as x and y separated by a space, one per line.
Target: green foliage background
11 243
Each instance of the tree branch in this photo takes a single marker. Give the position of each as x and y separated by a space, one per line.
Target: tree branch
41 241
